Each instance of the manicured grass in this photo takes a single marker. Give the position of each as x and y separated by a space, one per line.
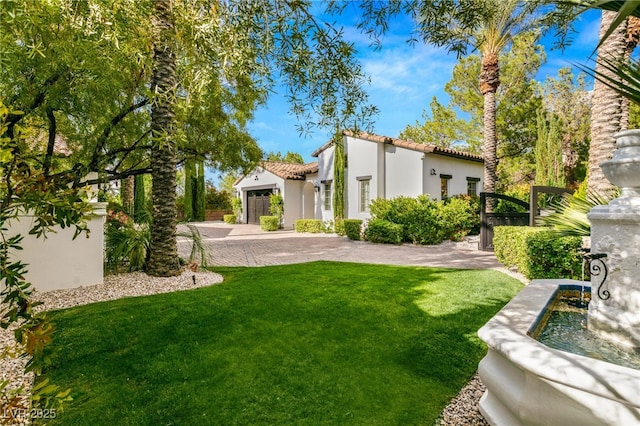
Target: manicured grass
315 343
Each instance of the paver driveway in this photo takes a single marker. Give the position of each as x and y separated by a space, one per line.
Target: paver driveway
248 245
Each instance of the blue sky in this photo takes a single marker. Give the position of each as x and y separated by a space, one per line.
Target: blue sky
404 78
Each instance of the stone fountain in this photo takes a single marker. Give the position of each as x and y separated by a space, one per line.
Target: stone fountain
615 231
530 383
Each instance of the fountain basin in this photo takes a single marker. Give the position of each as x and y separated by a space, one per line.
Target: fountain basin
530 383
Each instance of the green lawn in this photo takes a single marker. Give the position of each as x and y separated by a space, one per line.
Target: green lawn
315 343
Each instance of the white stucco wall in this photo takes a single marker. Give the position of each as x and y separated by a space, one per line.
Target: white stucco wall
325 173
59 261
458 169
404 172
293 202
362 160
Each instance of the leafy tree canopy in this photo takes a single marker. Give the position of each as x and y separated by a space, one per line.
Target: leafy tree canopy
289 157
81 71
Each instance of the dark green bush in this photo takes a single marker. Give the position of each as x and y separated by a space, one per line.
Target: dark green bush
269 223
308 225
229 218
383 231
352 228
538 252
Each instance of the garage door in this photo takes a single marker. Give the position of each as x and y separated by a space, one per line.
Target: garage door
257 205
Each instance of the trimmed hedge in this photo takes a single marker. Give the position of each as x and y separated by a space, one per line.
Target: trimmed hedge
316 226
269 223
383 231
538 252
352 228
229 218
308 225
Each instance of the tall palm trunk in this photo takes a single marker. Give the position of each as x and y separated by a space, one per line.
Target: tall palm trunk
126 194
606 109
163 256
489 83
632 38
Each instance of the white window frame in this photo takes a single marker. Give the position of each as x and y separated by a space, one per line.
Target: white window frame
364 193
326 195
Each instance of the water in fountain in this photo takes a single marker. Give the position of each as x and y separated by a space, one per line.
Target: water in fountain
564 327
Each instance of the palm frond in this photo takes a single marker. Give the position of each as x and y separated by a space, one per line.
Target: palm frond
568 216
198 249
622 77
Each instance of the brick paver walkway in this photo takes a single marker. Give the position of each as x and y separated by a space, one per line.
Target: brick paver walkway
248 245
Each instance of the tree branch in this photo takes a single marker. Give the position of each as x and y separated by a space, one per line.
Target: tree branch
107 130
52 140
115 176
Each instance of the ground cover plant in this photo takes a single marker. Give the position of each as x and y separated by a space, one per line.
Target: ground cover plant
315 343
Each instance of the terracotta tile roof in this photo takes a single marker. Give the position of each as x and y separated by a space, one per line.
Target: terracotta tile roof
414 146
290 170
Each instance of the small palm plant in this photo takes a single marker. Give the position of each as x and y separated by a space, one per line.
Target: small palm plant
568 216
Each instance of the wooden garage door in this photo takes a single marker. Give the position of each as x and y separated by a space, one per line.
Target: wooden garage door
257 205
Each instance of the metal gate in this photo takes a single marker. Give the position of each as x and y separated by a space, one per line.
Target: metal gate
489 220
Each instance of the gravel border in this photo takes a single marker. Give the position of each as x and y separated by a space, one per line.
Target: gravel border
114 287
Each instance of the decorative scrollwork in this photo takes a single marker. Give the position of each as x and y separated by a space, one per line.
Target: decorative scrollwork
597 267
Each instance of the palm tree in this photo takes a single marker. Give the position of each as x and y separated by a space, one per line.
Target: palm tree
163 259
501 22
607 104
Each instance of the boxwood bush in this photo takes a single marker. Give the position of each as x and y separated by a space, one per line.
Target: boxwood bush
308 225
269 223
538 252
383 231
229 218
352 228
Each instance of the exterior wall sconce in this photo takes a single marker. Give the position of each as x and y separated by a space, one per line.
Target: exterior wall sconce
276 189
316 187
433 172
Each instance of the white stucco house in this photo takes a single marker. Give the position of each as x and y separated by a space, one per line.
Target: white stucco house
375 167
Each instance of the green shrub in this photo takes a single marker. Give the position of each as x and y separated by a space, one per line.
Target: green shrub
551 256
276 206
126 243
383 231
472 210
269 223
338 227
427 221
538 252
308 225
352 228
229 218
